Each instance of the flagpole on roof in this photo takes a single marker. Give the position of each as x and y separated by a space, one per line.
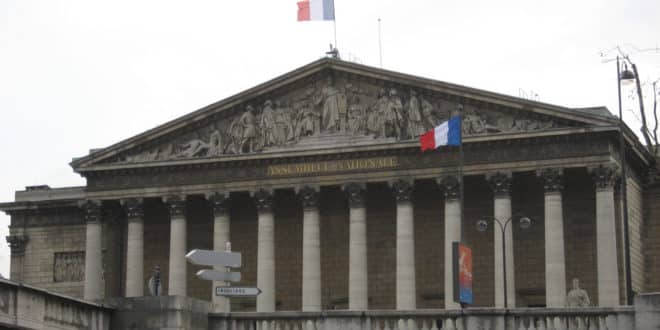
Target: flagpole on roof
334 23
460 171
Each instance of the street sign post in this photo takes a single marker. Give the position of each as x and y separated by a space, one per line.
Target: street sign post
236 291
214 258
214 275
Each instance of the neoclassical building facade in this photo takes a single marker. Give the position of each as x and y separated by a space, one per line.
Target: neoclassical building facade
317 178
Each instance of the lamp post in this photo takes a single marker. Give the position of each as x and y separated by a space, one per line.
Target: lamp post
622 77
482 225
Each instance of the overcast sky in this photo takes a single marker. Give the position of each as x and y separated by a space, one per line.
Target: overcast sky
76 75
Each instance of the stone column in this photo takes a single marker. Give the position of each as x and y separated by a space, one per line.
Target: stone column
555 262
93 289
608 274
265 251
358 297
311 267
177 279
452 234
406 293
220 204
501 185
134 247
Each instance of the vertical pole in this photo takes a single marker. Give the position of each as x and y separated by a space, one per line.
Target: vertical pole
506 298
380 45
624 192
460 170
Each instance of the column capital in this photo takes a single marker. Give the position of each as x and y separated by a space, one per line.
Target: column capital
219 202
604 176
133 207
309 196
17 244
452 187
500 183
402 190
176 205
355 191
552 179
92 210
263 198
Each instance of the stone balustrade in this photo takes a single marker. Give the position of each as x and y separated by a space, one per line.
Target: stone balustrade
474 318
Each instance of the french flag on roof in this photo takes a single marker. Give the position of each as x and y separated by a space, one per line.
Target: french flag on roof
316 10
446 134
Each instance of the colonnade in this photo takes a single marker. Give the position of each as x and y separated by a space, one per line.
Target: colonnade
555 273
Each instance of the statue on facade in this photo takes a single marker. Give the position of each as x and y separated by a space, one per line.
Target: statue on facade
375 120
355 116
334 106
215 144
246 127
474 124
430 118
414 113
267 124
307 122
392 115
577 297
283 128
193 148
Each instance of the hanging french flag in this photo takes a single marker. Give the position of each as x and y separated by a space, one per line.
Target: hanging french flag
446 134
316 10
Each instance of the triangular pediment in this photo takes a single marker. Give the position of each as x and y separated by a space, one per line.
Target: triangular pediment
335 104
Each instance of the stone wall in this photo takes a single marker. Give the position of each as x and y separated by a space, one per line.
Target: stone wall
651 238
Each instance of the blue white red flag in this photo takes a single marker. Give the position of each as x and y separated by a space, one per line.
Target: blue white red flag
446 134
316 10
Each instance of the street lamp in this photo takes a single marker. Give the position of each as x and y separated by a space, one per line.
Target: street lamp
621 78
482 225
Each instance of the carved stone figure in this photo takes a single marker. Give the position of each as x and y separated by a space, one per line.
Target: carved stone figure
392 115
334 106
307 123
414 113
283 128
474 124
267 125
577 297
193 148
430 120
355 116
215 144
375 120
247 127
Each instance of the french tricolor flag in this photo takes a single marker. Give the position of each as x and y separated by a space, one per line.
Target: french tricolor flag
316 10
446 134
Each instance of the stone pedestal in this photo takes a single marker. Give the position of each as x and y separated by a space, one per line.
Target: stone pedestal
357 264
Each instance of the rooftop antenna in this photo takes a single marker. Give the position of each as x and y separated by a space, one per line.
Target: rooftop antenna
380 45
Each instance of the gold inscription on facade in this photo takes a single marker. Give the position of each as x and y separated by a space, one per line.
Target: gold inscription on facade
332 166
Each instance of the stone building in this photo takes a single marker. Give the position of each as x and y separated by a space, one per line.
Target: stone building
317 178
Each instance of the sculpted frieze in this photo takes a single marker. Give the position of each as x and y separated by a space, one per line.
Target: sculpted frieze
331 111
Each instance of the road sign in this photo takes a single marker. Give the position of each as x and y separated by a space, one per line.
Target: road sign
213 258
214 275
236 291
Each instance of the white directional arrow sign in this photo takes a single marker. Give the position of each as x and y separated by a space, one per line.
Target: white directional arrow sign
214 275
213 258
236 291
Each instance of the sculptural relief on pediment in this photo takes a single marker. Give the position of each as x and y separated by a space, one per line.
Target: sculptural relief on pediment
331 112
